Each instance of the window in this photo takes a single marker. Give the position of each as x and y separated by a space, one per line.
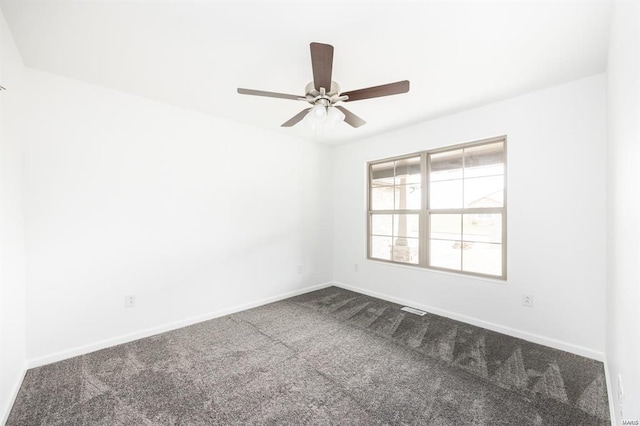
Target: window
442 209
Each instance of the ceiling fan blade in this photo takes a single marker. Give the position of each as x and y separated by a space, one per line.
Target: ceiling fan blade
322 64
269 94
378 91
296 118
350 118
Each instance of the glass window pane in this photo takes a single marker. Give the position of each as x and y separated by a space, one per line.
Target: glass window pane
381 224
381 247
483 228
484 160
445 254
484 192
405 250
446 226
382 174
406 225
446 194
408 197
382 198
445 165
483 258
408 171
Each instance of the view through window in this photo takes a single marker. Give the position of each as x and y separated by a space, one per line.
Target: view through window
442 209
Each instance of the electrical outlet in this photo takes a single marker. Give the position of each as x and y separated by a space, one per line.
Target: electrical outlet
299 269
129 301
527 300
355 267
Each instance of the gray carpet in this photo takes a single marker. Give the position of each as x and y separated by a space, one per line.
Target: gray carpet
327 357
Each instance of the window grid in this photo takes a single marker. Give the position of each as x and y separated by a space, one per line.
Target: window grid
425 212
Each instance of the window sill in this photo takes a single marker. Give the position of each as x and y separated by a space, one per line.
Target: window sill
438 271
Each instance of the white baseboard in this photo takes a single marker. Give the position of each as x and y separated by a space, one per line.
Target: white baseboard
92 347
535 338
612 408
16 388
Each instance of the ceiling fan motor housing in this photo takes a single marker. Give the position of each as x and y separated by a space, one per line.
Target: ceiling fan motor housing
310 90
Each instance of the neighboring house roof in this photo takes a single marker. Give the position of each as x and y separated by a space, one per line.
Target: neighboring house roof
495 199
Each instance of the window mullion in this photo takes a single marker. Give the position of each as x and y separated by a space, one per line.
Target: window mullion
424 218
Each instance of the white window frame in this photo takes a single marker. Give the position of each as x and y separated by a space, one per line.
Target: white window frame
425 211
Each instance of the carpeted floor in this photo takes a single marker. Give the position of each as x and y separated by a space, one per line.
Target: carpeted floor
327 357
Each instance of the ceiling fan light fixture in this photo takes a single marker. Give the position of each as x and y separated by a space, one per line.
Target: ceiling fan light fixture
319 112
317 115
334 116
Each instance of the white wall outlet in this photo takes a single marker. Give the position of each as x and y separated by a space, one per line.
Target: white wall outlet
527 300
129 301
299 269
355 267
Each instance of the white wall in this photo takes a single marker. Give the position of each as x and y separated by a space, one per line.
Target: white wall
12 266
623 298
192 214
556 183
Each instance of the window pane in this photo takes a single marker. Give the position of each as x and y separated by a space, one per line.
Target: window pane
381 247
484 192
484 160
382 198
446 194
406 225
445 165
445 254
408 197
483 228
381 224
408 171
483 258
382 174
446 227
405 250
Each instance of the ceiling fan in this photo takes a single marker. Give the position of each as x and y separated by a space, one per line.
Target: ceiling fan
323 93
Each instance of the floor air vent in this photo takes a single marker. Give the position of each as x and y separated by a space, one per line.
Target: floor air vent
413 310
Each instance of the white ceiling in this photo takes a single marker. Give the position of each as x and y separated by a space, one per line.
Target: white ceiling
457 54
